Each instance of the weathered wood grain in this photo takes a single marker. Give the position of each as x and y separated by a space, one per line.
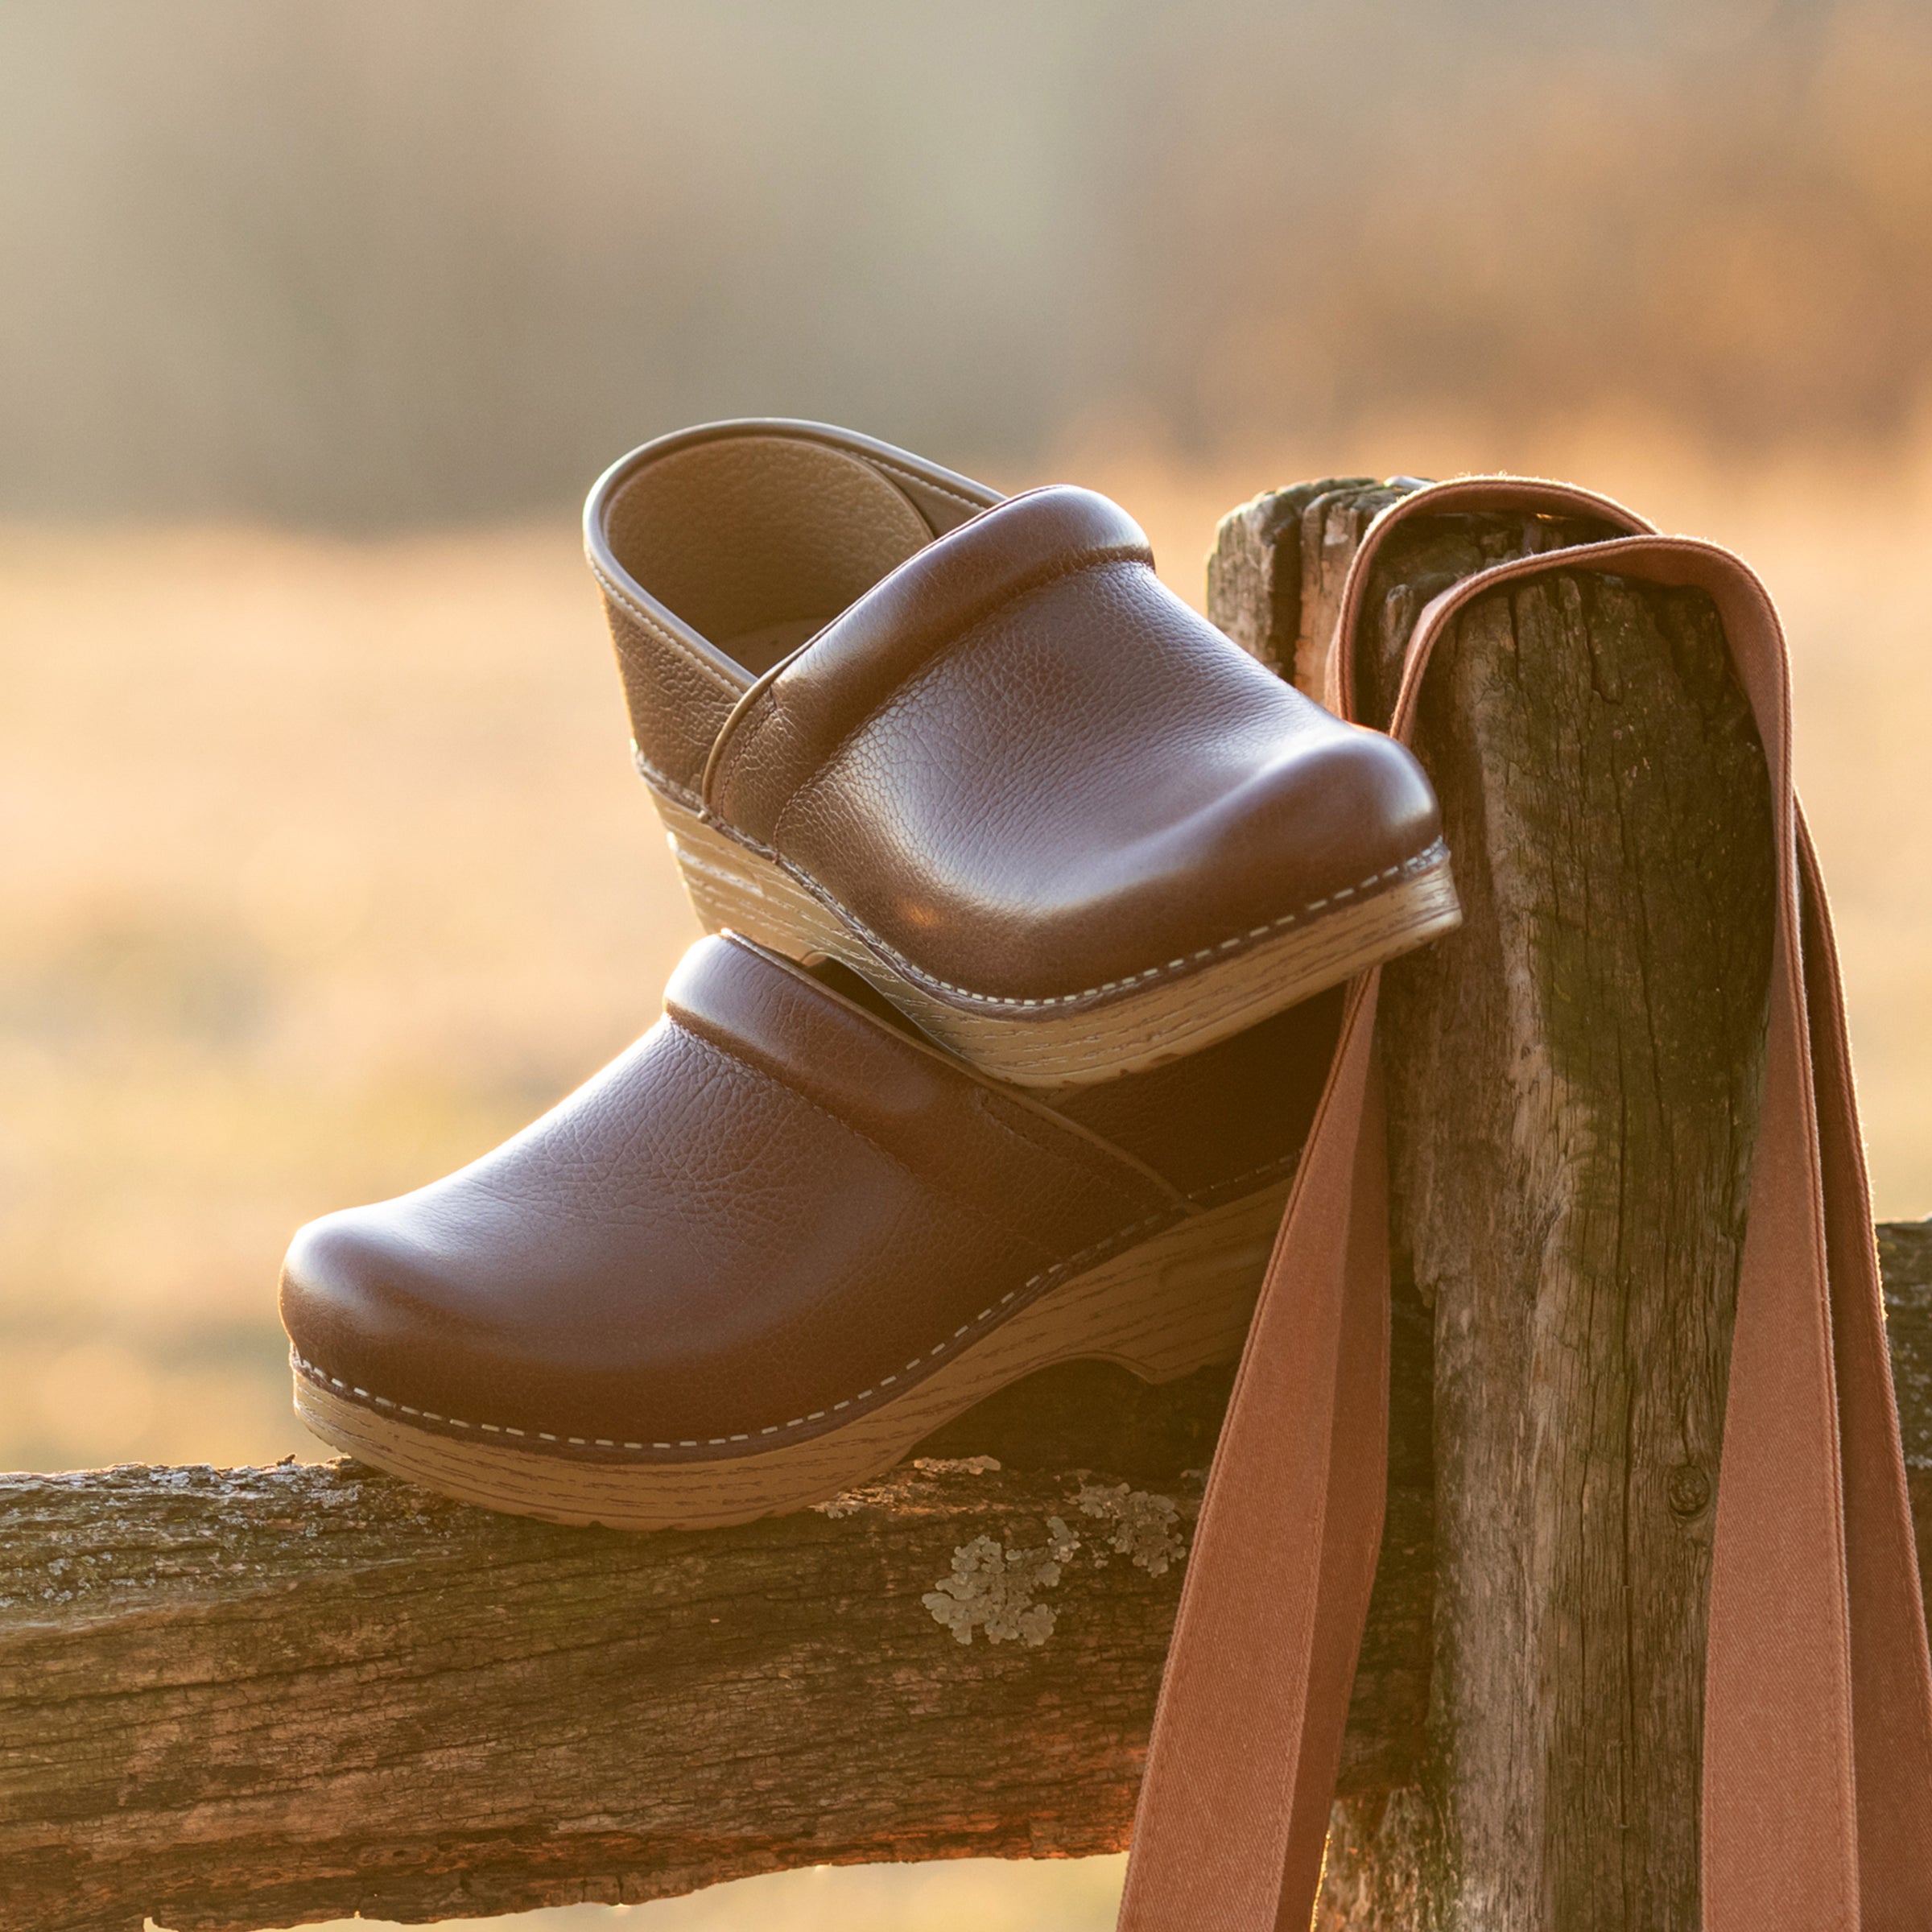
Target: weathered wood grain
260 1697
236 1699
1905 1252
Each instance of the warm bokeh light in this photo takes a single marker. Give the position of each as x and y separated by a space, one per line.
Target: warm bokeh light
347 261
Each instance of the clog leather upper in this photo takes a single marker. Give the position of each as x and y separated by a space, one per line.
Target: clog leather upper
981 728
776 1204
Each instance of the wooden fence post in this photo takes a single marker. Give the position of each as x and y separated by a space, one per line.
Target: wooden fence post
1573 1081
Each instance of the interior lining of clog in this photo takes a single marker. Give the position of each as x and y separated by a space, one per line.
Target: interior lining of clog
758 541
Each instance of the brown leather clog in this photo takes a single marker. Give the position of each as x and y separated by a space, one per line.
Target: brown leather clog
973 749
778 1241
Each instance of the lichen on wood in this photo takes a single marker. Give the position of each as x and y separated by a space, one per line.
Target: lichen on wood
992 1587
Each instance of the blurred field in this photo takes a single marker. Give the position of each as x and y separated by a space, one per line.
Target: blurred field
323 869
348 262
965 1895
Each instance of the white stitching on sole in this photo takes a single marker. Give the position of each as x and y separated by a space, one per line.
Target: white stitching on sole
1421 861
1049 1276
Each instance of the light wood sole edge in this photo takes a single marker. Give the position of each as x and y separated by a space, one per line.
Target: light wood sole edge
731 886
1180 1302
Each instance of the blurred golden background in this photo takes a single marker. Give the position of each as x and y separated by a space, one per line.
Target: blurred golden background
321 864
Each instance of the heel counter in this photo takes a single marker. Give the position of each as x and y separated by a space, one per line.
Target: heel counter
678 704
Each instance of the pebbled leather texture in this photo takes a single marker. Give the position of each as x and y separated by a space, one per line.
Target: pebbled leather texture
1016 762
679 703
750 535
771 1202
781 739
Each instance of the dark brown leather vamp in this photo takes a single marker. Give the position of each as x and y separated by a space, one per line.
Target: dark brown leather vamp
772 1207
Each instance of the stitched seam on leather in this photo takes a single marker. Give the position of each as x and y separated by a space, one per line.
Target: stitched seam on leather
1281 1163
1420 862
664 636
1273 1166
1047 1277
1024 586
662 781
1113 1180
912 476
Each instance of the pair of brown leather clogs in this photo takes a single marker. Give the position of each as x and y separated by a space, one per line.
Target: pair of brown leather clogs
1033 896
